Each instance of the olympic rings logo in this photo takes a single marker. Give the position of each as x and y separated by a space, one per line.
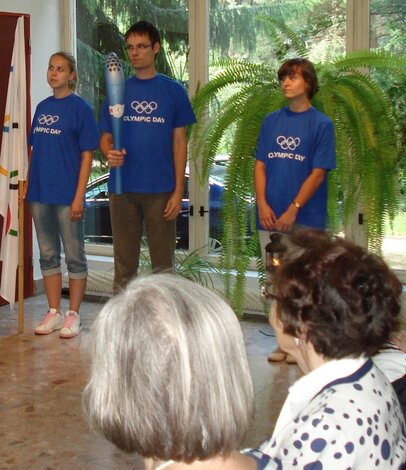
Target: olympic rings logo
288 143
144 107
48 120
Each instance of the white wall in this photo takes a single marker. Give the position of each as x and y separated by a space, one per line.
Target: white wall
47 36
48 26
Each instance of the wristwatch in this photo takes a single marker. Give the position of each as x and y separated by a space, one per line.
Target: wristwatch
296 204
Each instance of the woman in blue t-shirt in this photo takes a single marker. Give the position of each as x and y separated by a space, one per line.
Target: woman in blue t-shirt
63 137
295 151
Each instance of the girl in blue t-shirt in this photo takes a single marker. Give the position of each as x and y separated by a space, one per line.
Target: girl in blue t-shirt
295 151
63 137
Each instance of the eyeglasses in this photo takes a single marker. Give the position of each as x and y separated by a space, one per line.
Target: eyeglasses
137 47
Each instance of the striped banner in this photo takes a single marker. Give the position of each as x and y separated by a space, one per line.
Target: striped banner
13 164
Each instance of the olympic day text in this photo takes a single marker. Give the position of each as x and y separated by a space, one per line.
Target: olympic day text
160 120
46 130
290 156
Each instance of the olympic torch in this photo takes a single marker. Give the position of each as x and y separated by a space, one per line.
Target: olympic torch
114 75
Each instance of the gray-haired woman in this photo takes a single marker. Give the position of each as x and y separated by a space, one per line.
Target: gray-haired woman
170 378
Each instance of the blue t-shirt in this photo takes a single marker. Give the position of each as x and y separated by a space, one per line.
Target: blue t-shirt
62 128
292 145
153 108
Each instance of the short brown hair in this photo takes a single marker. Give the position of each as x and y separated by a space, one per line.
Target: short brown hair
344 299
144 28
306 68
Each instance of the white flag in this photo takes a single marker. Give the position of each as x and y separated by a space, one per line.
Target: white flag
13 163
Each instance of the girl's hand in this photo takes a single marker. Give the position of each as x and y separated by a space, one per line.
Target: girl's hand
266 216
76 210
21 198
286 220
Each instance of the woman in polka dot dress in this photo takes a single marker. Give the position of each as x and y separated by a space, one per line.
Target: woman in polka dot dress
336 305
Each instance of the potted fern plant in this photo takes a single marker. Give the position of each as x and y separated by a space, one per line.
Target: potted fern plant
366 143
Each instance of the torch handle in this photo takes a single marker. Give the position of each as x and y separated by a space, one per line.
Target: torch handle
116 125
114 76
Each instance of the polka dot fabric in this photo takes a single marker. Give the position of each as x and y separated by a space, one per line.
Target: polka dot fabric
348 425
263 461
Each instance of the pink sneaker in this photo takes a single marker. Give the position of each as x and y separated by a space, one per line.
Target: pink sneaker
71 325
52 321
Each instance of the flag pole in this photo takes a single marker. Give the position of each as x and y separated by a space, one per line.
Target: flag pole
20 258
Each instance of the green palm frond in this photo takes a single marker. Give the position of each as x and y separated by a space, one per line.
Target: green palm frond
191 265
394 64
367 149
276 27
197 268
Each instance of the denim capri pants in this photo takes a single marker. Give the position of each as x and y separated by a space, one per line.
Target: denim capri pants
53 224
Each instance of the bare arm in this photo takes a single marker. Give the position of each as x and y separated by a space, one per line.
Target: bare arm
179 147
23 195
306 191
265 213
76 208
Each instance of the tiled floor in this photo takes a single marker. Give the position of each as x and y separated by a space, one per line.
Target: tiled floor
41 379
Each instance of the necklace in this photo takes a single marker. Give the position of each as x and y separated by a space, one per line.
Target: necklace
165 464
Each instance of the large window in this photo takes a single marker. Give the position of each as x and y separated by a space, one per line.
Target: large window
388 32
240 29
